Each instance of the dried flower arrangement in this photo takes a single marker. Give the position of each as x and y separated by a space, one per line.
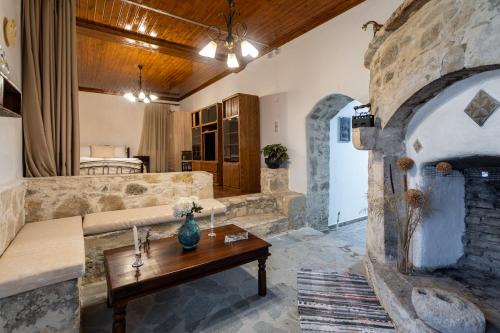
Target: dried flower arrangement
444 168
408 208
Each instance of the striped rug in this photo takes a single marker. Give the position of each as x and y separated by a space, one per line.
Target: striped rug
331 302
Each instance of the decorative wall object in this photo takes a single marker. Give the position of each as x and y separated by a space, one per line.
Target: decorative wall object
344 129
9 32
417 145
481 107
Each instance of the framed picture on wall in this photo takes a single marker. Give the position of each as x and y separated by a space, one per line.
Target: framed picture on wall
344 129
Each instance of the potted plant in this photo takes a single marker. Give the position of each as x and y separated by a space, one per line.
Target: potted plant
189 232
275 155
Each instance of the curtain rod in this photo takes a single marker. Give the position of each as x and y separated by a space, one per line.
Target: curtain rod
162 12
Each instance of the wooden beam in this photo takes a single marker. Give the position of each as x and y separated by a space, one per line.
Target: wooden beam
130 38
161 96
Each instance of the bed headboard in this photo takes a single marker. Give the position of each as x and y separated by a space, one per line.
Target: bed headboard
85 150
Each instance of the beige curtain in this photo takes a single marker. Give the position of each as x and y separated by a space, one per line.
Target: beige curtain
50 88
154 139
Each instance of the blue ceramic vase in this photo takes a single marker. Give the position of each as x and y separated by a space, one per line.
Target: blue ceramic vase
189 233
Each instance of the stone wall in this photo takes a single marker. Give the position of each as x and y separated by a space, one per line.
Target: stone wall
318 159
430 44
54 308
11 213
57 197
482 221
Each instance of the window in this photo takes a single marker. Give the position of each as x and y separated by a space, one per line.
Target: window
344 129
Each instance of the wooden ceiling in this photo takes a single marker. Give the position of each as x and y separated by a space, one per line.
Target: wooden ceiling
111 45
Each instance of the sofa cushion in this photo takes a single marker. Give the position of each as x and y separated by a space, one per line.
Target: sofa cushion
102 222
42 254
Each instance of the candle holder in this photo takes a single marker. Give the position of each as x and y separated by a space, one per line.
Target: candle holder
212 233
138 261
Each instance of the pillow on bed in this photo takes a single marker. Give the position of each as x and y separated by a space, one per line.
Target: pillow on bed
84 151
120 152
101 151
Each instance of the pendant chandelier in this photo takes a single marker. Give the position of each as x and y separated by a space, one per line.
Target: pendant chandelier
140 95
235 35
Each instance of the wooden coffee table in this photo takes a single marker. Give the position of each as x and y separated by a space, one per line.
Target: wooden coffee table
167 265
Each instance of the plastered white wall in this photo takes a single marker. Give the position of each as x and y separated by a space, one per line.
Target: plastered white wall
446 132
325 60
109 119
348 175
11 161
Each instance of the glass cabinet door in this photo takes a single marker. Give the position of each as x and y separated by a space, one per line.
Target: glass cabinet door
231 140
196 133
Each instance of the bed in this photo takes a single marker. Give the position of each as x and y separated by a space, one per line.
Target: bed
108 160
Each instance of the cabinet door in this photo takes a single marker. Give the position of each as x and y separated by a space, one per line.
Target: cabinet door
235 106
231 175
196 165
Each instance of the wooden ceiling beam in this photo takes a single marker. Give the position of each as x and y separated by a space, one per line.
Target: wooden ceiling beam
130 38
161 96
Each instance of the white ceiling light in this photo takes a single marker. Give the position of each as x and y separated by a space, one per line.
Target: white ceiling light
235 34
153 34
247 49
209 50
139 94
128 26
142 28
232 61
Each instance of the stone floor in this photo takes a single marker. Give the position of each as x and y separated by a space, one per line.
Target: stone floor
228 301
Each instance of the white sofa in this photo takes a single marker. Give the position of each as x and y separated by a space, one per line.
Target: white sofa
42 254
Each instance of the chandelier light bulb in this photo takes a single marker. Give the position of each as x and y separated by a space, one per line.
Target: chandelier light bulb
209 50
142 28
128 26
142 95
247 49
146 100
130 97
153 97
232 61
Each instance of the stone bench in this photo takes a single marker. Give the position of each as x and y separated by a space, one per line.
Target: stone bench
40 272
112 229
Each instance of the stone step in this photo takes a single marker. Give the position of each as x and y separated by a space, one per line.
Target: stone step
262 225
250 204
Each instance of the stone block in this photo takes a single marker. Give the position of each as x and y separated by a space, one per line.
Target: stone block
447 312
54 308
274 180
293 205
364 138
11 213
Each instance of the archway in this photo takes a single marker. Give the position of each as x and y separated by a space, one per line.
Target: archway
318 132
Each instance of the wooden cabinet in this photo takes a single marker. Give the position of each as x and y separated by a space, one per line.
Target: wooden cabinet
206 129
241 142
232 175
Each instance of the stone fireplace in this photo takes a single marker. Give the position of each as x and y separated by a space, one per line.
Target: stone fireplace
434 93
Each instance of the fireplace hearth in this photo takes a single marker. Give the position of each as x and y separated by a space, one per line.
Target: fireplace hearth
434 70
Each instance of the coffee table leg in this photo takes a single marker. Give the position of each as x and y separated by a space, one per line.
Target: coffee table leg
119 324
262 277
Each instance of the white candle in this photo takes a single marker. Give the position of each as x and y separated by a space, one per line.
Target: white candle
136 241
212 219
